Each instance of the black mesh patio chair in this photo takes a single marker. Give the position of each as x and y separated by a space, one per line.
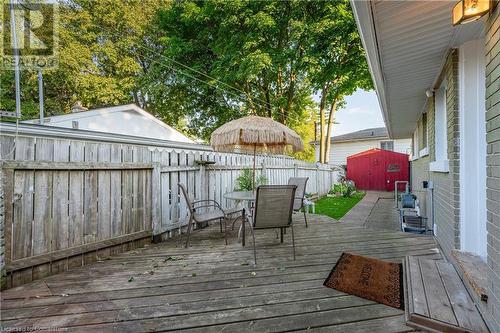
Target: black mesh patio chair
204 211
273 210
298 202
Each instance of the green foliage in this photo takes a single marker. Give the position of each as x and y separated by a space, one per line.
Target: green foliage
253 46
335 56
336 207
245 179
101 58
345 188
335 62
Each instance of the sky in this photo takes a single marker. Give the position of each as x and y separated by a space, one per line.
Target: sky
361 111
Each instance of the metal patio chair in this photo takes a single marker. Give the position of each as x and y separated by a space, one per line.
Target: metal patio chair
298 202
273 210
199 212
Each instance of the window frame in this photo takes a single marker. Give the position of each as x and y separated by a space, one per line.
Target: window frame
387 142
415 151
440 161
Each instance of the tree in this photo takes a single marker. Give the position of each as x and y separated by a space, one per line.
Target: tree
265 58
246 56
337 66
101 58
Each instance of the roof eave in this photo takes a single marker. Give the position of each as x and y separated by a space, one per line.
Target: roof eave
372 138
363 14
332 140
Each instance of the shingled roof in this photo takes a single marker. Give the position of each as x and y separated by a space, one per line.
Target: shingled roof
366 134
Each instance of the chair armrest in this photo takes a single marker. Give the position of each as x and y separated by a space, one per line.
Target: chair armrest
215 203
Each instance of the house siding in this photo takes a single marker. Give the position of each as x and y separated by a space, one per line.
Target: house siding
446 185
341 150
419 174
492 51
124 120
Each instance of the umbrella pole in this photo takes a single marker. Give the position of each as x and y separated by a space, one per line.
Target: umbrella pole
253 182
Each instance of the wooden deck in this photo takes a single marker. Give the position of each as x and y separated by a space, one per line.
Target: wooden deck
211 287
436 298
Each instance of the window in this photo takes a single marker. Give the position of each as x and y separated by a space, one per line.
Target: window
424 133
441 163
387 145
415 145
424 130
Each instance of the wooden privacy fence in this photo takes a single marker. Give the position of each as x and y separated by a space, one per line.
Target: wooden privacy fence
214 180
70 198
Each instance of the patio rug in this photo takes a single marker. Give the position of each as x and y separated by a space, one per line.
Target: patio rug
373 279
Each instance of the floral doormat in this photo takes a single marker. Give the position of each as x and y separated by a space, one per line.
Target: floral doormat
373 279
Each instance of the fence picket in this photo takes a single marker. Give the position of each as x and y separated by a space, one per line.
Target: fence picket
76 196
104 194
127 192
90 212
115 179
42 219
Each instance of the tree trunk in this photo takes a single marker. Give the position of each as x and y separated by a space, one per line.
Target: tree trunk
322 126
333 108
268 103
248 96
289 98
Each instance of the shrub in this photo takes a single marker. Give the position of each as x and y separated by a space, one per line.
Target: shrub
345 188
244 180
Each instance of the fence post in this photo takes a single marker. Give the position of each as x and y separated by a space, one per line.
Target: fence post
263 171
317 180
295 170
156 201
203 182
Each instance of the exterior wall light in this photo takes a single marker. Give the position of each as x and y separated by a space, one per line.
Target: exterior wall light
466 11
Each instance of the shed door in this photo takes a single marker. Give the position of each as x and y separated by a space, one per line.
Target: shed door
377 173
364 178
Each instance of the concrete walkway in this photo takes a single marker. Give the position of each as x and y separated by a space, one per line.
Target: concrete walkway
384 215
375 211
359 214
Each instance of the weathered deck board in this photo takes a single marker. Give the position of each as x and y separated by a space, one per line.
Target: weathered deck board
437 298
213 288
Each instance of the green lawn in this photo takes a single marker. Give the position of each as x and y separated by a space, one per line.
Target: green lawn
336 207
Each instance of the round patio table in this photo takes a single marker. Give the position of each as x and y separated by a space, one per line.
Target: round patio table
242 196
247 196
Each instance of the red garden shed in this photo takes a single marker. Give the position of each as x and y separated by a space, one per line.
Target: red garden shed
377 169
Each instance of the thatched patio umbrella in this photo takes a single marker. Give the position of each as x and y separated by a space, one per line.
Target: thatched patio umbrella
254 133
